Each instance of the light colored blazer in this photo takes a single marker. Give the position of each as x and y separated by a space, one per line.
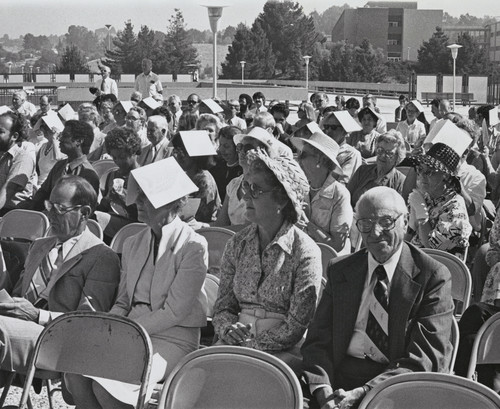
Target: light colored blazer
177 298
146 157
87 280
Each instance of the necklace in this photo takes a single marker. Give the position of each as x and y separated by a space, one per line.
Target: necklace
48 150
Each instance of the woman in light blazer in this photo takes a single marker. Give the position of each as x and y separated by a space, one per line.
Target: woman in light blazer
163 271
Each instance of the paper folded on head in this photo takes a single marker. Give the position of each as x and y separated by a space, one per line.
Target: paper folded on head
446 132
51 119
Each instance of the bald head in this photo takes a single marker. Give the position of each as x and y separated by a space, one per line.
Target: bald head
383 197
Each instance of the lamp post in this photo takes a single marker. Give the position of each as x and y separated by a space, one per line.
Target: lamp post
307 58
408 54
108 26
454 53
242 71
214 15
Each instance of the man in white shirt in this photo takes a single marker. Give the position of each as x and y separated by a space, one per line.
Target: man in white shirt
233 118
148 83
106 85
385 310
21 105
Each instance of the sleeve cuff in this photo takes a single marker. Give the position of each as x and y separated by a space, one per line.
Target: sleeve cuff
43 317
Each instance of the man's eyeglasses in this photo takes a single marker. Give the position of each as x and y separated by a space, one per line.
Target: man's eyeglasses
237 107
59 208
425 172
382 151
253 190
385 222
132 119
332 127
190 102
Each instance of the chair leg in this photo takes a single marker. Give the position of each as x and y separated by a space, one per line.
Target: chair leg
30 405
49 393
8 383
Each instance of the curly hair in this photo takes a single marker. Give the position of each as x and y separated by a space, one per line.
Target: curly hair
123 139
19 125
393 136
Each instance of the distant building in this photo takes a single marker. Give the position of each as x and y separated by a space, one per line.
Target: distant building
478 33
398 28
493 32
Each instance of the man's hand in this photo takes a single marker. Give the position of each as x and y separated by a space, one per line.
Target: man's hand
349 399
20 308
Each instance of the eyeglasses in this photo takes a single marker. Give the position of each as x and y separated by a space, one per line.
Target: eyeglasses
190 102
234 106
422 172
385 222
244 148
304 155
332 127
132 119
59 208
382 151
253 190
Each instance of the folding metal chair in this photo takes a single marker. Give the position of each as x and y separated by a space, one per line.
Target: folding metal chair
95 228
24 224
423 390
124 233
217 238
327 253
93 344
230 377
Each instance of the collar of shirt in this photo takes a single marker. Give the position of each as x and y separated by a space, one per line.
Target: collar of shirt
284 237
14 150
77 162
167 235
328 189
68 244
389 266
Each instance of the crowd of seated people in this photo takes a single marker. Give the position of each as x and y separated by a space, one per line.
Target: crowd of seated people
340 175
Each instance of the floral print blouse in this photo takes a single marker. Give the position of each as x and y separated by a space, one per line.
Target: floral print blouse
284 279
449 223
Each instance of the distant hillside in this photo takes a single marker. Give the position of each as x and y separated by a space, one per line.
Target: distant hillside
205 54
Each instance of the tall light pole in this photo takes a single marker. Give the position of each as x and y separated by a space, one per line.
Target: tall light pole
242 71
108 26
454 53
307 58
408 55
214 15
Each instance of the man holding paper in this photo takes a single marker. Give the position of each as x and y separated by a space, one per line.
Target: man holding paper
68 271
17 163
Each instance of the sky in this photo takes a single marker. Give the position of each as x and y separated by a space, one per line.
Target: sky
46 17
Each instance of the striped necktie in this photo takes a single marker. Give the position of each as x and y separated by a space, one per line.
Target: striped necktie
377 341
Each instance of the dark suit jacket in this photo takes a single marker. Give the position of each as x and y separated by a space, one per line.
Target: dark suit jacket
420 317
89 274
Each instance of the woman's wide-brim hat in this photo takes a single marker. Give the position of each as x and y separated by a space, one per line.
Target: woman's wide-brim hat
289 174
440 157
323 143
273 146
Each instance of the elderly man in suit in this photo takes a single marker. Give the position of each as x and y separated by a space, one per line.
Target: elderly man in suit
160 147
386 310
70 270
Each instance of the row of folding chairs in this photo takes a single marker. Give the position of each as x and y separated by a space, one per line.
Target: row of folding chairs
226 377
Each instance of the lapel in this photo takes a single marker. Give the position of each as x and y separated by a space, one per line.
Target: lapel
37 253
135 264
403 292
74 256
347 287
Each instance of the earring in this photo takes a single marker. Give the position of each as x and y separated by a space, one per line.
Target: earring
278 211
318 165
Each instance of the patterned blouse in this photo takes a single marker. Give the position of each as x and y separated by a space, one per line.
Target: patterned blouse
285 279
449 223
491 289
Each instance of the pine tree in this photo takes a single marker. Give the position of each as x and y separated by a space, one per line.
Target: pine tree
177 52
122 58
72 61
146 46
472 59
433 56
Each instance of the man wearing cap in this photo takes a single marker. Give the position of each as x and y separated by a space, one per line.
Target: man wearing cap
148 83
68 271
21 105
106 84
385 310
337 125
160 148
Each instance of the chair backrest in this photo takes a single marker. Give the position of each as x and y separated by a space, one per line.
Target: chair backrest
24 224
14 254
423 390
102 165
211 288
122 234
455 338
95 228
486 345
104 176
217 238
231 377
461 280
94 344
327 253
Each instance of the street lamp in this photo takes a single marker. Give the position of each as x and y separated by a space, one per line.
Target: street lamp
214 14
408 55
242 71
307 58
108 26
454 53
